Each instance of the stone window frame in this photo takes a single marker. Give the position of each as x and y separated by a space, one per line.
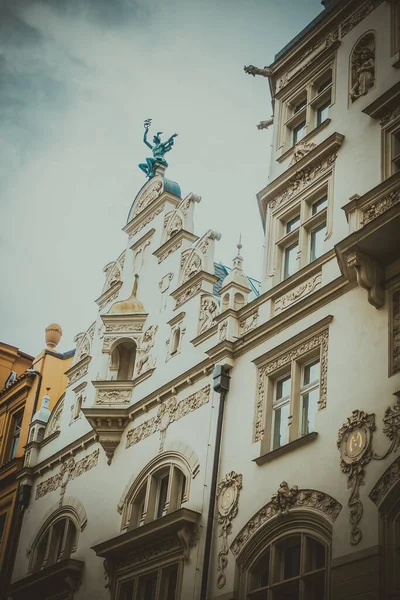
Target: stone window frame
305 91
301 205
144 494
390 131
395 26
296 523
50 536
290 355
129 586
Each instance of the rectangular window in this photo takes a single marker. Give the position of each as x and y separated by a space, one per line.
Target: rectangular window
317 241
3 518
293 224
309 397
162 496
15 434
299 132
396 152
307 108
319 205
160 584
290 260
323 112
281 412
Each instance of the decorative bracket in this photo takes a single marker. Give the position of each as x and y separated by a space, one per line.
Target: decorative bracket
369 274
227 503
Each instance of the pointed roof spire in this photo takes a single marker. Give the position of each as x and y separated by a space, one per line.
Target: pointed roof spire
236 275
43 413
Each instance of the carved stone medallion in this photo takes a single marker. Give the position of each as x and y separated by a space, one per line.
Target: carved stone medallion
227 504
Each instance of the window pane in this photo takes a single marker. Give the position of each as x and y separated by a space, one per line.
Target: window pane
169 583
147 587
324 85
287 591
2 525
283 388
311 373
17 423
309 407
317 241
126 590
293 224
162 497
259 575
315 555
314 587
319 205
299 132
290 260
291 560
281 426
323 112
299 106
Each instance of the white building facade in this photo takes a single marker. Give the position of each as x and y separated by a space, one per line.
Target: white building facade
278 407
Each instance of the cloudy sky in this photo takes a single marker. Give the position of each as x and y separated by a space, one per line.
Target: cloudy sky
77 80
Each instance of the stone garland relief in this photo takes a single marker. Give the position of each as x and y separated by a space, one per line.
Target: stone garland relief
321 340
298 293
69 470
228 492
360 14
281 503
363 67
355 446
169 411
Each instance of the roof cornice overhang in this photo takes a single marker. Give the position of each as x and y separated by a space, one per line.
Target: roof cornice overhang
325 149
385 103
21 386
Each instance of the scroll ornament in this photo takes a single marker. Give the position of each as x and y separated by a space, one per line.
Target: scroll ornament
355 445
227 503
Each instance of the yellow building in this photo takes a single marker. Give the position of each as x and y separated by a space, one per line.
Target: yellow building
23 381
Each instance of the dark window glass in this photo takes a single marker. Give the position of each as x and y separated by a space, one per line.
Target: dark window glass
162 497
293 224
299 132
291 561
299 106
319 205
323 112
16 432
325 84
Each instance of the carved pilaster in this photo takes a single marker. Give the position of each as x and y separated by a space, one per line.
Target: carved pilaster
227 502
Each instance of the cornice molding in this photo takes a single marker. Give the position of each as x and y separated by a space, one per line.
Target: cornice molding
150 212
109 294
192 287
143 239
79 370
174 243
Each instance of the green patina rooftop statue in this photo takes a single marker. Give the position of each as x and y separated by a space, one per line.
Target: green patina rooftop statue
158 149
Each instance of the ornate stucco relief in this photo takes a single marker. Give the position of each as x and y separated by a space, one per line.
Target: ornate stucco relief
300 150
148 220
357 16
319 340
188 293
356 452
168 412
388 480
148 195
163 286
78 371
301 180
390 116
363 67
285 500
54 422
380 206
228 492
70 469
222 331
395 332
114 396
146 359
248 323
298 293
122 328
208 312
169 251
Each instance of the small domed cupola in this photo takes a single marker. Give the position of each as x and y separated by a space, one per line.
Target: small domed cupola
235 288
130 305
39 419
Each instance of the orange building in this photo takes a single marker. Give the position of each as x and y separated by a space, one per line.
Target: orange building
23 381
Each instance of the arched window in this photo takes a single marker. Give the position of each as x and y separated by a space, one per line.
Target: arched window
238 301
158 490
176 336
225 302
122 361
290 567
287 558
56 542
